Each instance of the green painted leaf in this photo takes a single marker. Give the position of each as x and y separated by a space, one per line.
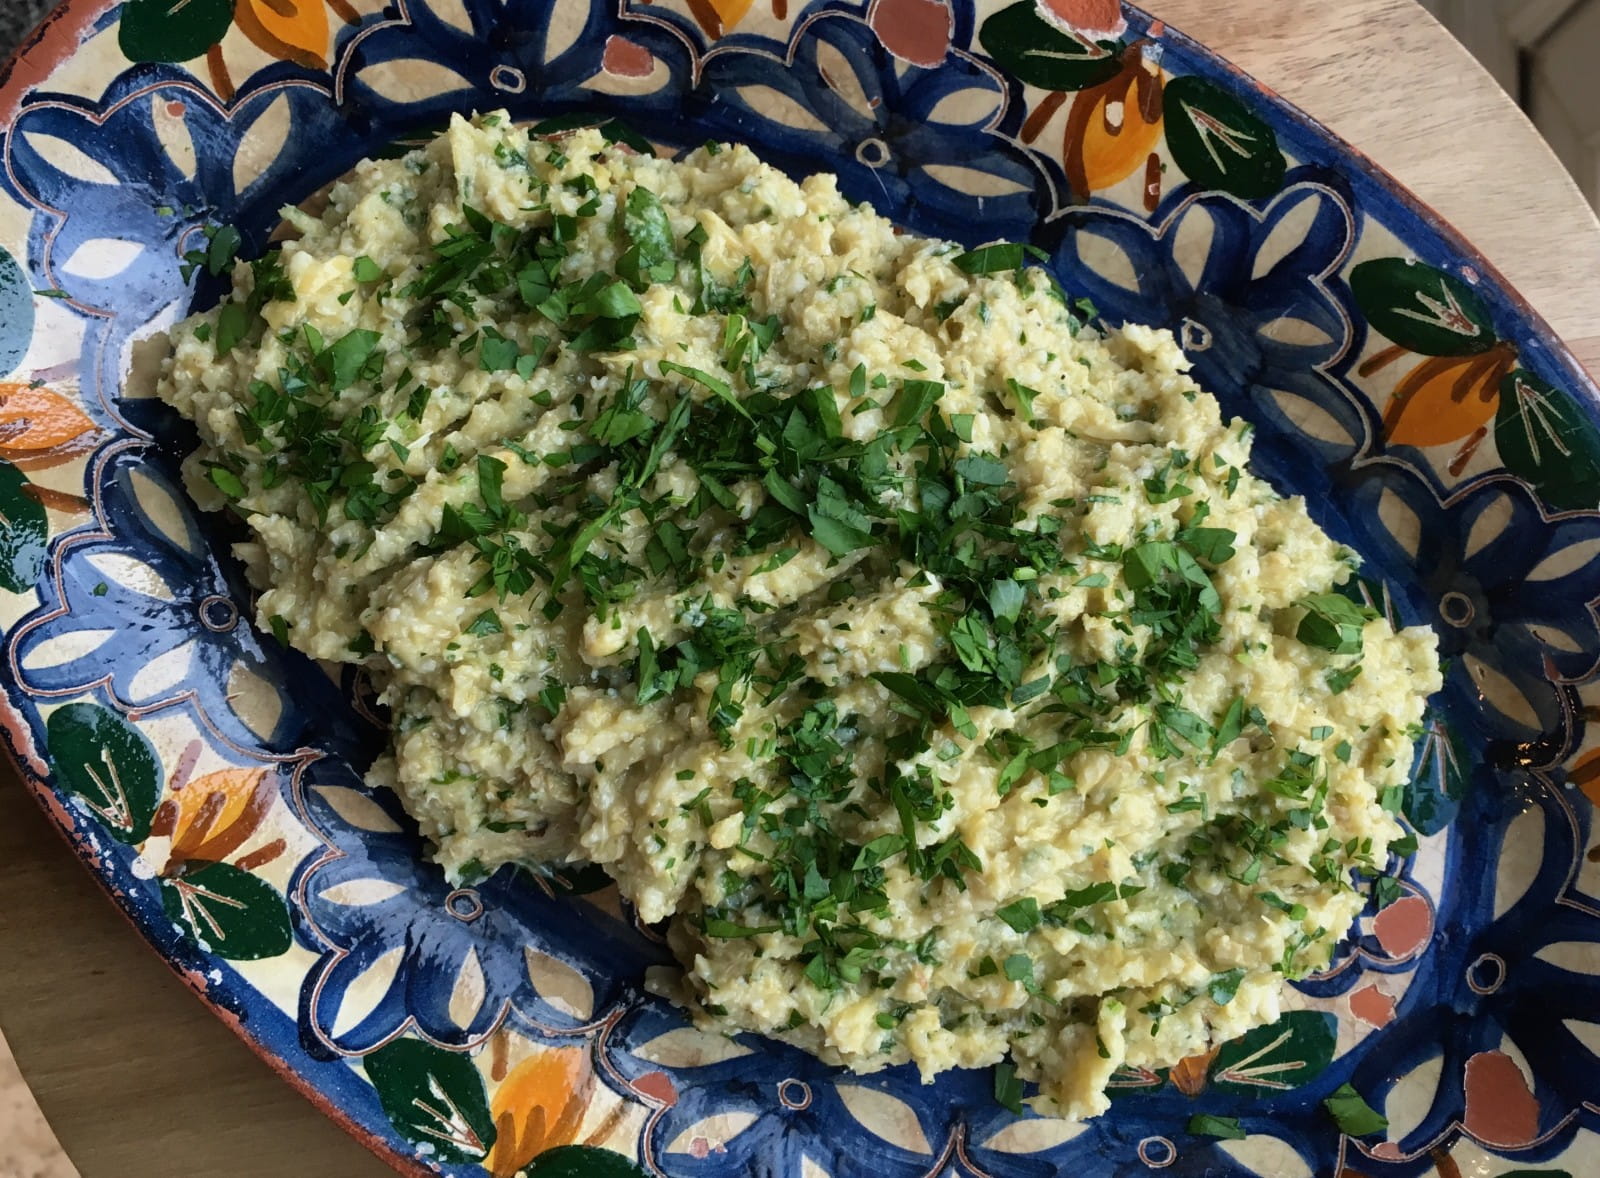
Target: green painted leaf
24 529
1036 52
231 912
16 313
1422 308
108 764
1545 438
1286 1054
162 30
434 1097
1127 1082
1434 793
1219 142
582 1161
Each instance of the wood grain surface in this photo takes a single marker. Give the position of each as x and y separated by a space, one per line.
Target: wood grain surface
139 1081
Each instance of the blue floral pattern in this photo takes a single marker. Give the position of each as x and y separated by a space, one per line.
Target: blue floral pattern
1507 589
844 97
371 891
1258 311
138 593
139 609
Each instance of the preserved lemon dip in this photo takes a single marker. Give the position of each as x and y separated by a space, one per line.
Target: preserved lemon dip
930 660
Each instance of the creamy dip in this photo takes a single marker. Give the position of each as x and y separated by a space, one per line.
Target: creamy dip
933 662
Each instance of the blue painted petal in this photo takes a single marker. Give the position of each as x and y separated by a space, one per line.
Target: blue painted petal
1159 287
326 988
1327 238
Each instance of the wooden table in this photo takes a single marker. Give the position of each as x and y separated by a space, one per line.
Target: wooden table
139 1080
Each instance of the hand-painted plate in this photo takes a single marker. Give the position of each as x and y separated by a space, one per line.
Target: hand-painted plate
212 779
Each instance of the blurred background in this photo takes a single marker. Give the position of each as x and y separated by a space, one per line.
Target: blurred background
1542 52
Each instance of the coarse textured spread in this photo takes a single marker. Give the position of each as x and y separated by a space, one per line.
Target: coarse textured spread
932 661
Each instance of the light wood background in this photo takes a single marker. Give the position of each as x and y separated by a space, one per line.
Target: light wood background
1543 52
139 1081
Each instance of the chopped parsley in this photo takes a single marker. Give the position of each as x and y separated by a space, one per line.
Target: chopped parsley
1333 622
1007 1087
679 481
998 258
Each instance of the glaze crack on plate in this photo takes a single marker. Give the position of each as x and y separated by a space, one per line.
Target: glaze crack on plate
211 779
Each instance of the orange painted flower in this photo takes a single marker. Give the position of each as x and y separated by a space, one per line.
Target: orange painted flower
1446 398
1585 774
40 427
718 18
209 818
1189 1075
538 1106
290 30
1113 127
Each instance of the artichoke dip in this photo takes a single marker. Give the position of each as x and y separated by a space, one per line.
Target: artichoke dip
931 661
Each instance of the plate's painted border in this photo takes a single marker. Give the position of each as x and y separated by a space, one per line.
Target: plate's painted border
1385 200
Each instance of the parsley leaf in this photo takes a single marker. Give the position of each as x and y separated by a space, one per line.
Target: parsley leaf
220 249
1207 1125
650 253
233 324
1353 1114
982 470
1224 986
226 481
1007 1087
496 353
1333 622
717 387
1025 397
728 930
1022 915
348 356
836 523
997 258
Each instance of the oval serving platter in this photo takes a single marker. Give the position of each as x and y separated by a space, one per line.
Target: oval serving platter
212 780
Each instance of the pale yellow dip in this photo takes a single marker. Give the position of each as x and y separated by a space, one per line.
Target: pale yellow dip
1139 891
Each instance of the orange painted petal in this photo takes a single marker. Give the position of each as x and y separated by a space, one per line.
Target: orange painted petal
290 30
538 1106
719 17
1189 1074
213 815
1113 128
1585 774
36 420
1446 398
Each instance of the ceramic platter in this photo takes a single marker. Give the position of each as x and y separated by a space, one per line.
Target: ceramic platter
212 780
